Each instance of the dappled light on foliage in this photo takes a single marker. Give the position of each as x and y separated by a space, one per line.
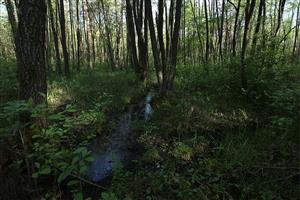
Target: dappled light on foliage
149 99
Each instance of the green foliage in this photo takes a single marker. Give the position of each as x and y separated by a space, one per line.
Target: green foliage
86 89
8 81
207 139
211 140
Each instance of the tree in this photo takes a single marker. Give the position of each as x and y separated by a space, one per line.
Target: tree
279 15
108 36
31 50
250 5
207 32
296 30
62 22
29 28
78 36
55 37
165 57
136 22
237 12
261 8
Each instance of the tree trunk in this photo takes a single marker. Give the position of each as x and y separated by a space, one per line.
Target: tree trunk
221 31
248 14
155 52
31 50
258 23
13 19
78 35
62 22
237 10
108 38
55 38
280 15
72 35
296 30
207 32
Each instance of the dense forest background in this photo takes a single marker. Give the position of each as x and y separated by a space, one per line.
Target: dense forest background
220 77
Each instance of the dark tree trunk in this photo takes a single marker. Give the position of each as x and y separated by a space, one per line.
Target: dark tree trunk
78 35
236 20
135 20
55 38
248 15
62 22
197 27
221 31
296 30
88 33
280 15
13 19
72 35
174 43
31 50
108 38
258 23
207 32
155 52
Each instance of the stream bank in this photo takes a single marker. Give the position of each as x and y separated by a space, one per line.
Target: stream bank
115 150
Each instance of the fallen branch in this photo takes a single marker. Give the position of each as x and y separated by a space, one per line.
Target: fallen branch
282 178
87 181
283 168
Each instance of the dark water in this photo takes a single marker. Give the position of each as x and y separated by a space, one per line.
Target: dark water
113 151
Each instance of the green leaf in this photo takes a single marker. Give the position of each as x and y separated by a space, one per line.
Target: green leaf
45 171
73 182
35 175
64 175
78 196
83 169
90 159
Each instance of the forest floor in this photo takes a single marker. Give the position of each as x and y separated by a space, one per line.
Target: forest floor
207 139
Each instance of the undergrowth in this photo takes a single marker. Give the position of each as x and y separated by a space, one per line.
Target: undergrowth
207 139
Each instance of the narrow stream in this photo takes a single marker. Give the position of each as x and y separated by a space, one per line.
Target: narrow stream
113 151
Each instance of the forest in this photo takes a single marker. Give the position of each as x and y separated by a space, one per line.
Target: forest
149 99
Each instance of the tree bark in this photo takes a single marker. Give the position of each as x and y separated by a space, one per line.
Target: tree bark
258 23
280 15
108 38
78 35
31 50
248 15
207 32
55 38
296 30
237 9
62 22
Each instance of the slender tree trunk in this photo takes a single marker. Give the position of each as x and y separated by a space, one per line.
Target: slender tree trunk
280 15
296 30
62 22
174 43
55 38
13 19
207 33
108 38
236 21
155 52
197 26
248 14
258 23
221 31
78 35
87 32
72 35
